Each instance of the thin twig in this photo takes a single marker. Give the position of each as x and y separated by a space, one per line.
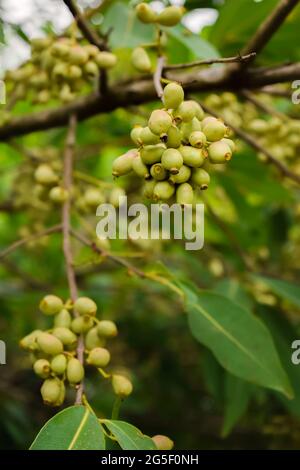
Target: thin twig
269 27
66 228
157 76
263 106
24 241
275 91
224 60
284 170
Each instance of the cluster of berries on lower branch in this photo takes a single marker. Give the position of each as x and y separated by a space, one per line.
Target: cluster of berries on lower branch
175 150
54 351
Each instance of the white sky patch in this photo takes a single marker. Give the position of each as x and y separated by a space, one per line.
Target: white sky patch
197 19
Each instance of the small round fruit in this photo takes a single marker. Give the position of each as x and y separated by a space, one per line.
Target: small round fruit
149 188
140 168
170 16
65 335
82 324
98 357
182 176
93 197
173 95
145 13
121 385
75 371
62 395
50 391
174 137
163 442
107 329
147 137
186 128
63 319
192 156
135 135
163 190
172 160
160 122
115 196
200 177
152 153
219 152
105 60
77 55
58 194
29 342
197 139
85 306
140 60
45 175
123 164
214 130
188 110
51 305
230 143
49 344
158 172
92 339
42 368
184 194
59 364
91 69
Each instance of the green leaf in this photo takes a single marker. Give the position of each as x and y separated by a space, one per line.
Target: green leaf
74 428
128 436
237 397
285 289
239 340
199 48
234 291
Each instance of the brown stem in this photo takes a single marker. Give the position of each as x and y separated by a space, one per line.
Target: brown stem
263 106
284 170
157 76
66 228
222 60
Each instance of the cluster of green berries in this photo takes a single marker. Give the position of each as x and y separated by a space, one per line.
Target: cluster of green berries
174 151
59 69
54 351
281 136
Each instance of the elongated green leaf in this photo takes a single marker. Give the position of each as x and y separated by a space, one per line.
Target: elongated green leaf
198 47
237 397
234 291
128 436
74 428
286 290
240 341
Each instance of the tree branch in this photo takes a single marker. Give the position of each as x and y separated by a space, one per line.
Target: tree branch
263 106
66 228
269 27
284 170
157 76
224 60
132 93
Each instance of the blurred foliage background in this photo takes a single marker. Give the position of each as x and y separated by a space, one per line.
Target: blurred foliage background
180 389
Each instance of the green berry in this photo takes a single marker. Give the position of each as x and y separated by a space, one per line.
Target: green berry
172 160
219 152
29 342
188 110
197 139
140 60
200 177
145 13
160 122
98 357
65 335
123 164
230 143
259 126
173 95
42 368
170 16
50 391
60 49
158 172
214 130
45 175
163 442
58 194
115 195
93 197
184 194
51 305
187 128
107 329
91 50
49 344
192 156
135 135
147 137
122 386
149 188
174 137
77 55
75 371
74 72
105 60
140 168
63 319
38 44
182 176
82 324
85 306
60 71
62 395
59 364
92 339
163 190
91 69
152 153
